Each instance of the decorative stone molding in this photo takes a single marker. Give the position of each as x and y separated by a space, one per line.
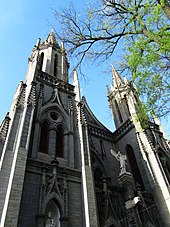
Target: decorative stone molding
123 129
32 95
21 97
53 81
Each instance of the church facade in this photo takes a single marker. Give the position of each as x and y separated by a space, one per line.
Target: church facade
59 166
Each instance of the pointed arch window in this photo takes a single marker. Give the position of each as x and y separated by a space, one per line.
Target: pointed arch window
134 167
118 112
55 65
60 142
41 60
126 102
44 138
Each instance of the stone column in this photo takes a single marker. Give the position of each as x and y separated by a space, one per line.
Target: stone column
126 182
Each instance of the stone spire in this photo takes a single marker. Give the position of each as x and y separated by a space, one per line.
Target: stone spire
117 80
38 42
63 46
4 127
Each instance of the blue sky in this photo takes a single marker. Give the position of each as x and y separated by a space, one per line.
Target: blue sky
22 22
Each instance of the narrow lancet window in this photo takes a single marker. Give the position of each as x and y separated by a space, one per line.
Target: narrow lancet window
44 138
60 143
41 60
126 102
55 65
118 112
134 167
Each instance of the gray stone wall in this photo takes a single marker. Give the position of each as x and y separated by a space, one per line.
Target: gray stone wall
30 200
75 204
31 206
16 190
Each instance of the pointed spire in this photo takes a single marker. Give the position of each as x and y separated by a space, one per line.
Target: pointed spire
77 86
108 90
20 101
157 121
4 127
62 46
116 78
38 42
32 95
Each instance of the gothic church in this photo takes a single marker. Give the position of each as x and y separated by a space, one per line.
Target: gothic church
61 167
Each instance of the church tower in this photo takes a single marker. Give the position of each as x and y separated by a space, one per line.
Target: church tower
41 180
143 143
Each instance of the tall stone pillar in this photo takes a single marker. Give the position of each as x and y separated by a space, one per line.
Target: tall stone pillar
126 182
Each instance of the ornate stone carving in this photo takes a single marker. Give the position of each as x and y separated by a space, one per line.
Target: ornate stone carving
122 160
54 184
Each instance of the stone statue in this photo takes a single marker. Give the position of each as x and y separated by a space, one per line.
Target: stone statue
49 221
122 160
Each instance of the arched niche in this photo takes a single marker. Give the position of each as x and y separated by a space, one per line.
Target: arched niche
53 214
112 222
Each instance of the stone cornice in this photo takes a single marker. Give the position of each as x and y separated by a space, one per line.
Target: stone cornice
97 131
122 130
52 81
35 166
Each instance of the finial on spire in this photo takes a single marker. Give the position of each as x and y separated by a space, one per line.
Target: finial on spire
76 85
38 42
116 78
62 46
